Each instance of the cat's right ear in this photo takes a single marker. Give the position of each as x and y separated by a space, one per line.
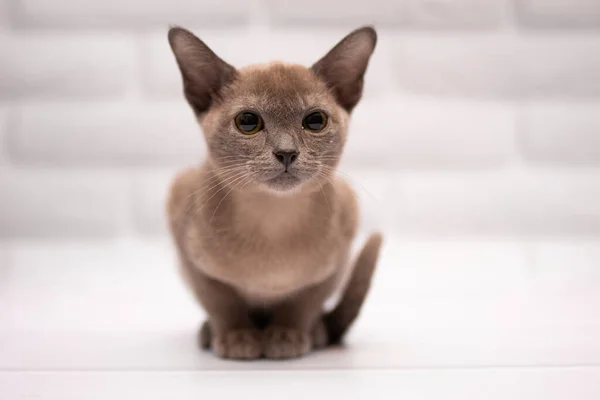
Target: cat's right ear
344 67
204 74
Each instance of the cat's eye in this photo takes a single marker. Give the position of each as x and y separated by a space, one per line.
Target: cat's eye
315 121
248 122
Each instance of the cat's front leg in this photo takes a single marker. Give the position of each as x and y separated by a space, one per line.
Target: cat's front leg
318 335
296 327
229 330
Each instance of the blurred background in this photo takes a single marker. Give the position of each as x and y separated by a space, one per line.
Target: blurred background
479 116
476 149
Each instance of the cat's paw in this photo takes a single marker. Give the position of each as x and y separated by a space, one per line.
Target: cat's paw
319 335
280 342
242 344
204 336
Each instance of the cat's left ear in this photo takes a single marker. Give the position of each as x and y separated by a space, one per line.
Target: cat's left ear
344 67
204 73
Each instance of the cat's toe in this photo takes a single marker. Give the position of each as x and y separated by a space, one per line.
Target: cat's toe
280 342
319 335
204 336
243 344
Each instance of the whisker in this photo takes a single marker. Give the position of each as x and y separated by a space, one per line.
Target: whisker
195 192
226 163
323 175
228 168
227 194
324 196
225 185
213 180
233 161
237 156
234 175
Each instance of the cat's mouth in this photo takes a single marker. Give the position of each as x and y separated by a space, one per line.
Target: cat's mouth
284 181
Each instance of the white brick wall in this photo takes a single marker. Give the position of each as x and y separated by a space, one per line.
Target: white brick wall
3 138
149 196
130 14
50 65
479 117
315 12
499 65
563 133
403 13
553 13
3 13
457 13
552 203
431 133
109 134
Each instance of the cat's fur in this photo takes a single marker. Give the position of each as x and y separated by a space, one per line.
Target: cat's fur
262 247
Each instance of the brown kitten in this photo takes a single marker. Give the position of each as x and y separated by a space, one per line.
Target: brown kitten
264 227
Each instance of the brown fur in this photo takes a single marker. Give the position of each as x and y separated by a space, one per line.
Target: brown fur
263 248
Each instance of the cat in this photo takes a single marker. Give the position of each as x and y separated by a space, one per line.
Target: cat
263 228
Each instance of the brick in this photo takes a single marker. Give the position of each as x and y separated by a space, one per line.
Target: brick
499 65
414 13
562 133
75 66
132 13
106 134
561 66
455 65
567 267
457 13
58 204
4 13
162 78
543 203
559 13
286 12
3 138
407 133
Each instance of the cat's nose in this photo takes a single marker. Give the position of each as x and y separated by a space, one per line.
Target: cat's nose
286 157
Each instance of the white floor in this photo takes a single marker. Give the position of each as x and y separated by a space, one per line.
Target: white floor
445 320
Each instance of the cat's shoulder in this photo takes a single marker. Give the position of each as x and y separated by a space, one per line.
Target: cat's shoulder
183 185
345 192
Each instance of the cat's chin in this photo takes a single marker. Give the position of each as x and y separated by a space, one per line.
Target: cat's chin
283 183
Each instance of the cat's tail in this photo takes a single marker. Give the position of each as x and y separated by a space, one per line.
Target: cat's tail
338 320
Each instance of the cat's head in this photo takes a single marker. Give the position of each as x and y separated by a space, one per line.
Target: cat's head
274 126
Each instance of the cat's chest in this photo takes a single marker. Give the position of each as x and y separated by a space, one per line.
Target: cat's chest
276 274
261 266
